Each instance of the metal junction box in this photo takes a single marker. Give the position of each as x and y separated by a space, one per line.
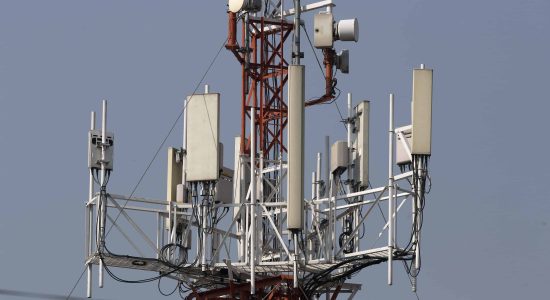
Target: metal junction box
94 150
403 146
202 117
323 30
339 157
173 174
224 187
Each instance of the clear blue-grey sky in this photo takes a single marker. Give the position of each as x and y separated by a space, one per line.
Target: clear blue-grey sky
486 231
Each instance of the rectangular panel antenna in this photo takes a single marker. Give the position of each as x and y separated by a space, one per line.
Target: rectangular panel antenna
422 112
202 117
361 145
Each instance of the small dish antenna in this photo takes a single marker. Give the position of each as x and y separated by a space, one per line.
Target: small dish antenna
236 6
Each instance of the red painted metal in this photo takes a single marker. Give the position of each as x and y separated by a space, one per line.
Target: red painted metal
276 288
264 77
330 82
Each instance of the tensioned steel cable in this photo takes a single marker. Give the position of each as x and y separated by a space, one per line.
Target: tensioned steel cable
155 156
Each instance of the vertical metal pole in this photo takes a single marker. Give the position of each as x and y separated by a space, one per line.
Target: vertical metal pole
296 47
330 236
313 184
204 216
102 181
350 146
332 213
252 201
417 201
309 248
89 222
413 202
206 89
318 177
327 165
296 256
159 231
317 188
390 195
260 199
313 196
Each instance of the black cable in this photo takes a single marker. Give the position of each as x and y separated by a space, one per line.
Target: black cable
167 294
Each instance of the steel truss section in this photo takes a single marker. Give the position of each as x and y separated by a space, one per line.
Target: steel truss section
223 268
264 77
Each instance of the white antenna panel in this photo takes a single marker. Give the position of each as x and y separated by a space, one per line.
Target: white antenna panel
202 117
422 112
361 166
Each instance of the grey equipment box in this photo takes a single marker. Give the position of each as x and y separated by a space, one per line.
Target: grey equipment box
339 157
403 146
323 32
94 150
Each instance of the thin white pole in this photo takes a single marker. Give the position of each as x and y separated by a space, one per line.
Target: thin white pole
348 126
390 194
327 165
313 196
296 46
252 201
318 176
413 202
318 187
417 200
296 255
102 181
204 229
89 222
206 89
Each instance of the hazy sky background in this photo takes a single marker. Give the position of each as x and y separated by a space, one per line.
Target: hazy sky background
486 232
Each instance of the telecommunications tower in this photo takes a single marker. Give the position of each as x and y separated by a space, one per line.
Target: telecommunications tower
246 229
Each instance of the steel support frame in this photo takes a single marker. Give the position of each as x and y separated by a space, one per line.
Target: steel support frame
264 77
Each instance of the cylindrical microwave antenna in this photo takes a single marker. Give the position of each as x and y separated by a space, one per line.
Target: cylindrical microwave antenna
236 6
348 30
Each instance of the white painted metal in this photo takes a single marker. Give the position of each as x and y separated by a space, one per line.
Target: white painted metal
422 111
350 144
247 5
361 145
348 30
296 52
89 220
327 165
391 241
309 7
296 97
202 133
295 259
339 160
404 137
102 212
260 212
323 30
253 202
